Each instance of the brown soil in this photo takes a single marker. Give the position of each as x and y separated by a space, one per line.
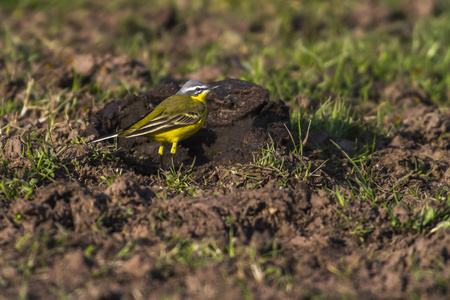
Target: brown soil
291 239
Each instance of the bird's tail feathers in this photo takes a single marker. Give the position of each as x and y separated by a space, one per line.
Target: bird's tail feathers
102 138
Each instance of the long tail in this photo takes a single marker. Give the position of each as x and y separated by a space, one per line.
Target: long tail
105 137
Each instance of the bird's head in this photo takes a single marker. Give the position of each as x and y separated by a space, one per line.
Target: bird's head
195 88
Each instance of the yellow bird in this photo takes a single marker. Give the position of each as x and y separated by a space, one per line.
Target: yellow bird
173 120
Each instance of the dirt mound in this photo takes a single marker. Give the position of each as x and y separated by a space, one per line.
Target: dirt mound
241 119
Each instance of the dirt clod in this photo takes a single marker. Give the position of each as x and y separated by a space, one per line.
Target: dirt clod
241 117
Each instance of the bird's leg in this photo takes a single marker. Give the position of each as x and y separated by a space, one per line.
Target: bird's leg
173 150
160 151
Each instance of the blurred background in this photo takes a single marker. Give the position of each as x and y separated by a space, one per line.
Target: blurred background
354 49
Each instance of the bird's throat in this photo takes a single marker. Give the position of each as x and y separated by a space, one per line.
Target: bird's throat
200 97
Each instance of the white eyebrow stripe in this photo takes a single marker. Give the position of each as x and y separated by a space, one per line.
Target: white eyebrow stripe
193 88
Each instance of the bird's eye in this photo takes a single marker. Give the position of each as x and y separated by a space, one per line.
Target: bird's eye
198 89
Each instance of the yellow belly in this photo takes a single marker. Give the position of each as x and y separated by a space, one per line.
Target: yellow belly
178 134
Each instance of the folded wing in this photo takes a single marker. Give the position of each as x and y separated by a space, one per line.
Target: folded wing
164 122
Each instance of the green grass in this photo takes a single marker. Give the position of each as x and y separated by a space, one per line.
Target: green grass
178 178
331 60
42 164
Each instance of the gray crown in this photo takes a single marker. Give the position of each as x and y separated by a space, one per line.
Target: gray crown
193 88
